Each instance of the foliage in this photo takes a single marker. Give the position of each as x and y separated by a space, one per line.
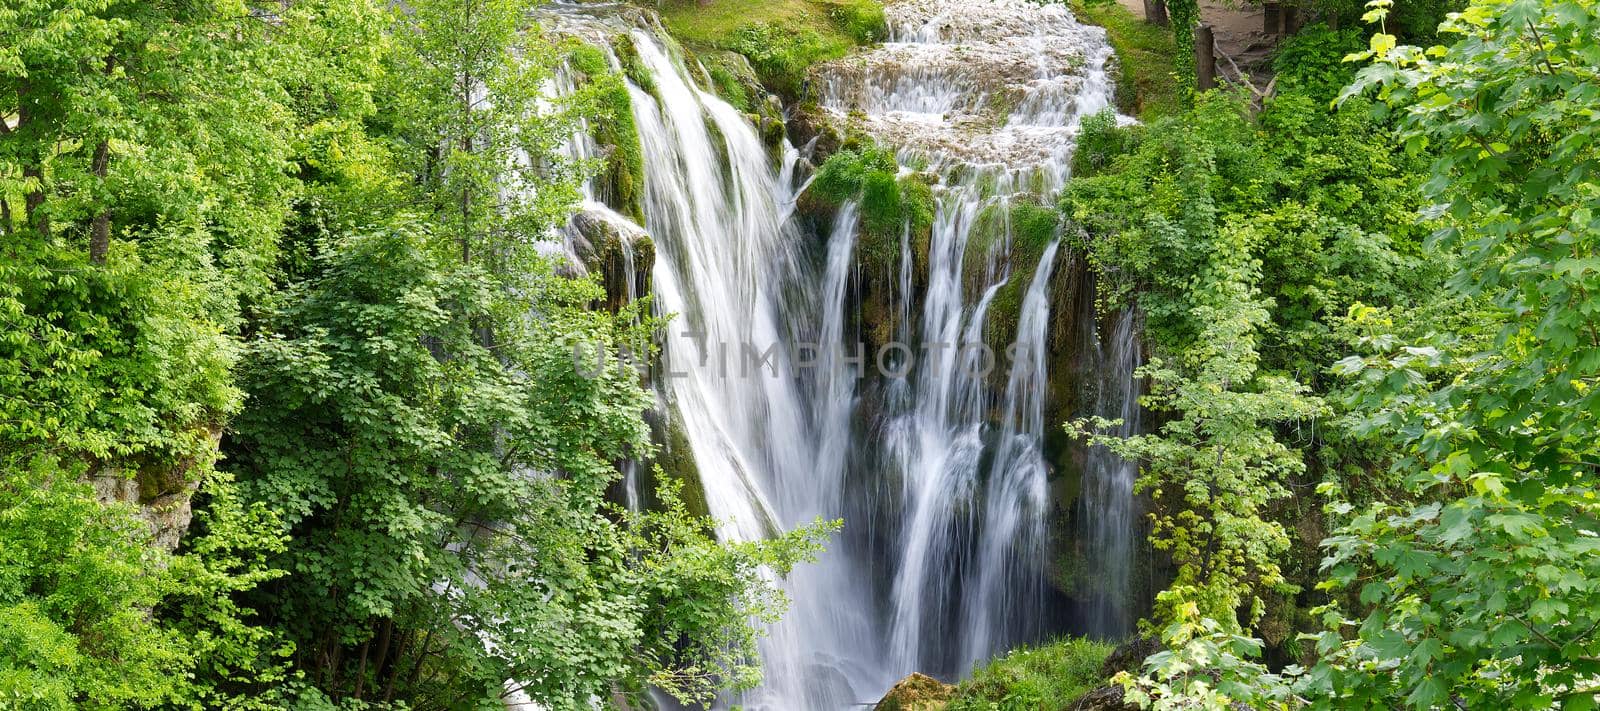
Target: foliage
1480 588
1205 666
1328 199
92 616
113 361
1471 584
471 156
1100 141
1244 240
1183 16
1146 85
781 38
1047 676
1309 62
1213 469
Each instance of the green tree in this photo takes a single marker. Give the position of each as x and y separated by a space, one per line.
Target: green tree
93 615
1481 589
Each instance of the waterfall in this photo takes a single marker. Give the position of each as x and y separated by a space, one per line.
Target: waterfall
940 474
986 95
1108 506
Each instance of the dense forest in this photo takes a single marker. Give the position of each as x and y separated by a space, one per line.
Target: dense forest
293 413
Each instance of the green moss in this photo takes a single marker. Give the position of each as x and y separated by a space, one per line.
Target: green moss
621 178
781 38
1146 85
675 463
633 67
1049 676
889 202
881 205
726 85
844 175
1033 227
587 59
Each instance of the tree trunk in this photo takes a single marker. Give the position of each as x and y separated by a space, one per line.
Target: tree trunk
33 201
5 205
397 666
100 231
361 669
1155 13
1291 19
1272 18
384 639
1205 58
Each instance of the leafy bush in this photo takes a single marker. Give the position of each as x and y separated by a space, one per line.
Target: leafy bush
1311 61
93 616
1100 141
779 54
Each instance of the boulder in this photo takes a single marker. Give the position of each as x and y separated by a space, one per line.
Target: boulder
1105 698
1129 656
917 692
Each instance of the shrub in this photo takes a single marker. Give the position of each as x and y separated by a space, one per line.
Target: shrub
1048 676
1311 63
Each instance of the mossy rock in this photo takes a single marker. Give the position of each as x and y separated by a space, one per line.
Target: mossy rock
621 179
675 461
917 692
730 76
632 66
603 246
808 121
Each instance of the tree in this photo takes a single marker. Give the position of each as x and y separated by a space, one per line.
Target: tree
1483 589
92 615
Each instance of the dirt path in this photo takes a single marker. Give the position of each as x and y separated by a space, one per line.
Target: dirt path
1238 33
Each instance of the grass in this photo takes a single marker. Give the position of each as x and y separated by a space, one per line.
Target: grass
1146 86
781 38
1043 678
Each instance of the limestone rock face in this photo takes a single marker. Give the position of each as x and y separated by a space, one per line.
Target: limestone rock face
161 493
917 692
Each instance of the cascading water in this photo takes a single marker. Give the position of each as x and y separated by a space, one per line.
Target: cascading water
944 555
987 96
1108 507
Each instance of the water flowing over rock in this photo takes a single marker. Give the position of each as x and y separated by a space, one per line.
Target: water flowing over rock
1108 505
940 473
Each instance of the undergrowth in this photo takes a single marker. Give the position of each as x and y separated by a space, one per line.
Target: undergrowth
1042 678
